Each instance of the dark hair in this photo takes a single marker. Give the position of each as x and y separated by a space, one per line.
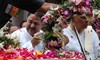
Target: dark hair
22 23
39 14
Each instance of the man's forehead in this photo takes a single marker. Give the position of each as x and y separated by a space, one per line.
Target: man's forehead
33 18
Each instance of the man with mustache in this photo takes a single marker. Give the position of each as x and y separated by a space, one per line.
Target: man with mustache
27 34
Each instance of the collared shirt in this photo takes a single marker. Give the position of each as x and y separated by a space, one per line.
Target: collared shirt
74 44
24 38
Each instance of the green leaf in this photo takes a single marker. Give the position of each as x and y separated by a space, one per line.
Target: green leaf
48 35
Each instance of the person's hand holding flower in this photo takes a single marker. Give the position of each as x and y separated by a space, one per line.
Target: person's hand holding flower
37 38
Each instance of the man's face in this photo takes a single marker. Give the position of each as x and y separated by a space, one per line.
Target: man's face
81 21
34 24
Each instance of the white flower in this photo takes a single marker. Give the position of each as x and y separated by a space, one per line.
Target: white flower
96 11
1 33
15 38
52 8
47 51
56 28
8 36
1 45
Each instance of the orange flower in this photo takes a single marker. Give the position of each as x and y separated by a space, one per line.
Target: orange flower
1 58
19 58
38 53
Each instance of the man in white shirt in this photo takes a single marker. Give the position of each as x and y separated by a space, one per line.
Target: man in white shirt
26 35
76 32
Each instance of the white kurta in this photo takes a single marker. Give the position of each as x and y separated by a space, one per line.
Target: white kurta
24 38
74 44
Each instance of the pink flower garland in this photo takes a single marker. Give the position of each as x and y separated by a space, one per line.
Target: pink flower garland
29 54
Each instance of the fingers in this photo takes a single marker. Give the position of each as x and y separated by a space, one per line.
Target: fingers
35 42
53 43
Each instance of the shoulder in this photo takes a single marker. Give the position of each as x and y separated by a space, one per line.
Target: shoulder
19 31
66 29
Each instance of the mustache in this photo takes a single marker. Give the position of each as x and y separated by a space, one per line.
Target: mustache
33 28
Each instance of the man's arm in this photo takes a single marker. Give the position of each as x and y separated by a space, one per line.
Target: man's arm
29 5
32 5
46 6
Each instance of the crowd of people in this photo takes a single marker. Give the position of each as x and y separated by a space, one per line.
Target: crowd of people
75 31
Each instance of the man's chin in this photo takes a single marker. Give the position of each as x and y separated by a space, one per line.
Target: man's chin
32 31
